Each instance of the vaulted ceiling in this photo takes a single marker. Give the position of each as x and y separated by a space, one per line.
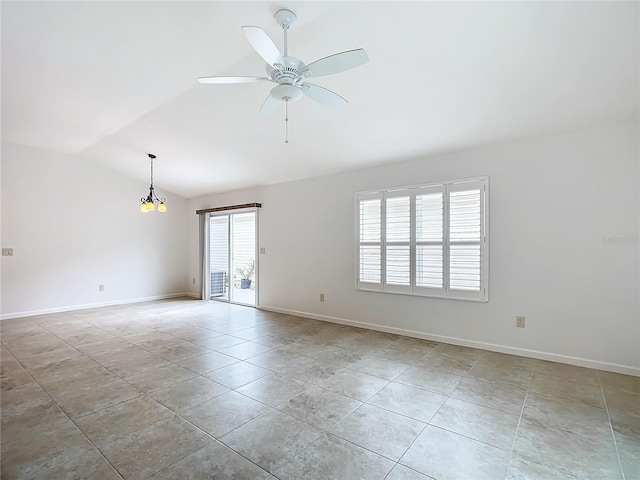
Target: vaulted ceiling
110 81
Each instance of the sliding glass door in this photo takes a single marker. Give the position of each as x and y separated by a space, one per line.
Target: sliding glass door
232 257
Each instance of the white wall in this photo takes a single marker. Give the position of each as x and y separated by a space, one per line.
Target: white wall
74 225
553 200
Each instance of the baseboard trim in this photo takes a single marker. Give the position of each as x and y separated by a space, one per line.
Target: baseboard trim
71 308
523 352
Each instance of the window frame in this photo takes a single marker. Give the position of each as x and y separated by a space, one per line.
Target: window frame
413 191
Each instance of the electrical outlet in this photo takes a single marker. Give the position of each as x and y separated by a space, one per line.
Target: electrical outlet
322 297
7 252
101 288
263 250
520 321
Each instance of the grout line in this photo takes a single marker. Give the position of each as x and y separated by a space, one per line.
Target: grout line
613 434
524 403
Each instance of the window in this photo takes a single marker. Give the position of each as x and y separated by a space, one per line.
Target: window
429 240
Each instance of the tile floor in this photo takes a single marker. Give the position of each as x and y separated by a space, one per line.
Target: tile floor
185 389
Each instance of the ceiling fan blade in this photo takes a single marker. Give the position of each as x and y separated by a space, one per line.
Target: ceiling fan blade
336 63
262 44
231 79
269 106
324 96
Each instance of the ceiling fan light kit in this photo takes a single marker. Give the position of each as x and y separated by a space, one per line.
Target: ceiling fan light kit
290 73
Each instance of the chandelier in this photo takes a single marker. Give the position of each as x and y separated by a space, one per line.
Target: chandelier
148 203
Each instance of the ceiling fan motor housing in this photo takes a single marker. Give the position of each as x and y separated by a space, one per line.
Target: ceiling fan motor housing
289 77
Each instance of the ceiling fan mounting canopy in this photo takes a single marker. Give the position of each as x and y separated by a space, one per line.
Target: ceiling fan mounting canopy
285 18
290 73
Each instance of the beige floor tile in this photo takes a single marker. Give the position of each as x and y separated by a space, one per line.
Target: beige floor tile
496 359
332 457
400 472
89 335
354 384
245 350
78 402
273 389
471 354
42 447
501 396
127 366
272 439
567 389
566 415
31 362
433 380
320 407
90 374
309 370
62 369
32 421
187 394
400 354
502 373
225 413
379 367
197 333
213 461
237 374
562 372
88 464
161 377
206 363
383 432
484 424
408 401
628 444
447 363
183 352
625 383
120 420
219 342
18 400
445 455
337 356
520 469
12 375
275 359
102 346
148 450
590 456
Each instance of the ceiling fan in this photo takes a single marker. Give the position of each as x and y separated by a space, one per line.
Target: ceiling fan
290 73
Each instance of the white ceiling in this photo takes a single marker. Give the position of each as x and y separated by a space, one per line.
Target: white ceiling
110 81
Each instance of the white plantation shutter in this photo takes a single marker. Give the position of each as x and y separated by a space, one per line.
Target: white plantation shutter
428 240
464 240
398 241
370 240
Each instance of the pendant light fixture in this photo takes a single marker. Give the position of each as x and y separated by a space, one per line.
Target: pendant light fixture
148 204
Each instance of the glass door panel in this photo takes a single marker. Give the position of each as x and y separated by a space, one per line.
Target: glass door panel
243 248
232 257
219 257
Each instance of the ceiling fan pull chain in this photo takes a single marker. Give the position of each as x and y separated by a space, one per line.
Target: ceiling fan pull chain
286 120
